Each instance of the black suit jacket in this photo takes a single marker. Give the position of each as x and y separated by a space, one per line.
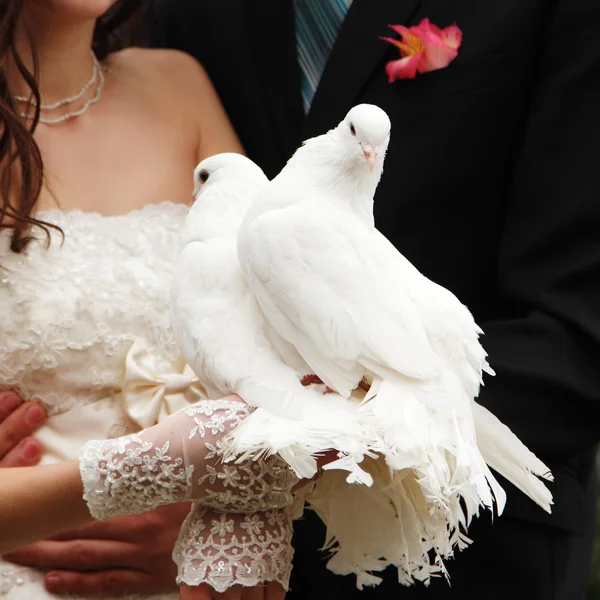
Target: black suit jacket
491 184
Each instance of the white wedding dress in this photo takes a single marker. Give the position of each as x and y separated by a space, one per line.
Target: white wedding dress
84 328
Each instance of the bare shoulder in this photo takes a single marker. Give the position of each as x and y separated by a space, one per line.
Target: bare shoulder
167 71
181 89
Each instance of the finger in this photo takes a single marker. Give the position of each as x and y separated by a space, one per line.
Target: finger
99 530
113 581
125 529
77 555
196 592
9 402
275 591
26 453
130 528
205 592
255 593
19 424
233 593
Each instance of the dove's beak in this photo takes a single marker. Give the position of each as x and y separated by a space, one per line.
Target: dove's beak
370 154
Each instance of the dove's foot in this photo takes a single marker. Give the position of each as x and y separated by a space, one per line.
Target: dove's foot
312 379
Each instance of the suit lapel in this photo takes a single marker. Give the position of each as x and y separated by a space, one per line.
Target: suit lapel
354 57
271 30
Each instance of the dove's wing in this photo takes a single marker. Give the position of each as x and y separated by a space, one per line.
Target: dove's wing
211 314
315 273
450 326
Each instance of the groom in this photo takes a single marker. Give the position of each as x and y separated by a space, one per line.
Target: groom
492 189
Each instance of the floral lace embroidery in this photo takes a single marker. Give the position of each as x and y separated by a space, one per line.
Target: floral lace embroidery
129 476
70 313
225 550
243 487
164 464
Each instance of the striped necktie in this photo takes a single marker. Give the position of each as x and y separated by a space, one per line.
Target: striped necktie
317 25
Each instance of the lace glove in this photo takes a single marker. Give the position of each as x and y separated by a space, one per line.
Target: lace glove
223 550
181 459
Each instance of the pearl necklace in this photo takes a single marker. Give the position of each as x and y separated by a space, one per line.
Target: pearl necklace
96 74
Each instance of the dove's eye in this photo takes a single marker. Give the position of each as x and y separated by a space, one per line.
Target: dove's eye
352 129
203 176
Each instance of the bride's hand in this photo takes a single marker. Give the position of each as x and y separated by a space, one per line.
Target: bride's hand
18 420
238 533
271 591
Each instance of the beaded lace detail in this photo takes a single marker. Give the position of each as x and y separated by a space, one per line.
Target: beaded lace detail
70 313
233 549
240 487
130 476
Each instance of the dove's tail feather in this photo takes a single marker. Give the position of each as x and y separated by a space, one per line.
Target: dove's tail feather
424 495
505 453
319 422
392 519
450 442
428 429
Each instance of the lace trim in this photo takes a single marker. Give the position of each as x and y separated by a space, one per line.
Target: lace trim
225 550
142 471
54 214
130 476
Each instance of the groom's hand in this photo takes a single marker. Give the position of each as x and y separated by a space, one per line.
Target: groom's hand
269 591
18 420
126 554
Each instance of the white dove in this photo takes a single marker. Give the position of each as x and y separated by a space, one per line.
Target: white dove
223 336
337 290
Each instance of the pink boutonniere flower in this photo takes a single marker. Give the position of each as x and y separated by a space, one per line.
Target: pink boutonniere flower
423 48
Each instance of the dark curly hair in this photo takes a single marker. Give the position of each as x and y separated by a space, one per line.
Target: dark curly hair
21 165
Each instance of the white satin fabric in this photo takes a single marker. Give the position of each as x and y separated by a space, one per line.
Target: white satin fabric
148 394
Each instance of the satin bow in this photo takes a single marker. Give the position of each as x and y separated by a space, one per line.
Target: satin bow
152 390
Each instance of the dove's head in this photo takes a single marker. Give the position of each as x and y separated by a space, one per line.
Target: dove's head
343 165
365 133
227 170
224 187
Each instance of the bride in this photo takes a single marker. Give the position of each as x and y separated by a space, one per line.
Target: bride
96 154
